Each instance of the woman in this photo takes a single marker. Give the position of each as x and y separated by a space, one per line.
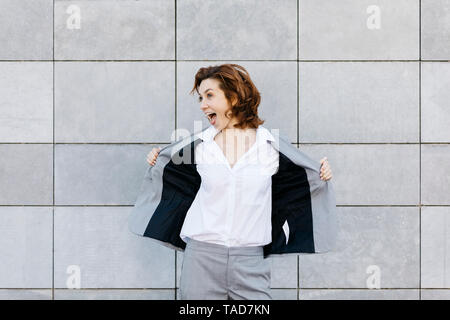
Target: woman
229 222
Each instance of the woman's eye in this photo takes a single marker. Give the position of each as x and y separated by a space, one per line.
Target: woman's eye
200 98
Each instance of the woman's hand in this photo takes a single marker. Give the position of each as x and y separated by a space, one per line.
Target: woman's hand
151 157
325 170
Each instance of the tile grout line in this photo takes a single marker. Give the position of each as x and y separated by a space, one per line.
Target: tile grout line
420 150
298 73
301 143
219 60
175 106
298 122
53 165
130 205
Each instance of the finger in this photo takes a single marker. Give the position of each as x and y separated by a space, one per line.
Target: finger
324 170
324 163
325 174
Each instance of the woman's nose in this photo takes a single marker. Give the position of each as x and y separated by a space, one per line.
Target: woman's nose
203 106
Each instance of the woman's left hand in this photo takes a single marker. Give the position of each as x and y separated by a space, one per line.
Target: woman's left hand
325 170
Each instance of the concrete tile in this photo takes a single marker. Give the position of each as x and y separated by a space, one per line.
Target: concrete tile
26 177
114 30
435 244
435 20
117 294
435 96
25 294
376 247
26 100
26 250
26 30
99 174
240 29
359 294
114 102
95 249
348 29
359 102
371 174
435 174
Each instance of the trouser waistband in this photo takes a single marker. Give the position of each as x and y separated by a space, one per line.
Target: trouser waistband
221 249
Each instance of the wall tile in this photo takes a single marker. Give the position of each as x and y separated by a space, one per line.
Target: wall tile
26 100
435 97
238 29
26 174
99 174
359 294
435 247
24 294
359 102
371 174
117 294
114 101
26 30
26 250
95 244
435 20
114 30
284 294
373 243
435 174
349 29
430 294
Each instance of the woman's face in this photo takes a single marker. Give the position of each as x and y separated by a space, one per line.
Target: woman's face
214 104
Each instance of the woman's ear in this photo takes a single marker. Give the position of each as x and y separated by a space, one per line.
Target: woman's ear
234 101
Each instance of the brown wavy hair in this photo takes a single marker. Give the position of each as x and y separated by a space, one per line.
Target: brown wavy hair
235 82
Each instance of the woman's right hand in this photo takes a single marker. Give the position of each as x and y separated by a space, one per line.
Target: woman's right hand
151 157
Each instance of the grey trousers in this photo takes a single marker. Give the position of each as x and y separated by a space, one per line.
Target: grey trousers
214 272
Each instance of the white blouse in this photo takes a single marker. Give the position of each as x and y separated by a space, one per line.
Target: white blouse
234 204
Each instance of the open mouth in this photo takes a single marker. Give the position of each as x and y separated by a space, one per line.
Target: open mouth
212 117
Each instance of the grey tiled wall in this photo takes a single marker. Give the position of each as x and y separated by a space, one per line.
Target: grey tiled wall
87 88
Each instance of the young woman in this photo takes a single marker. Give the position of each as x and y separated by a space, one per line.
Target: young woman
229 222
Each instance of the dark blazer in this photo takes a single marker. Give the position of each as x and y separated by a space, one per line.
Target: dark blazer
303 205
